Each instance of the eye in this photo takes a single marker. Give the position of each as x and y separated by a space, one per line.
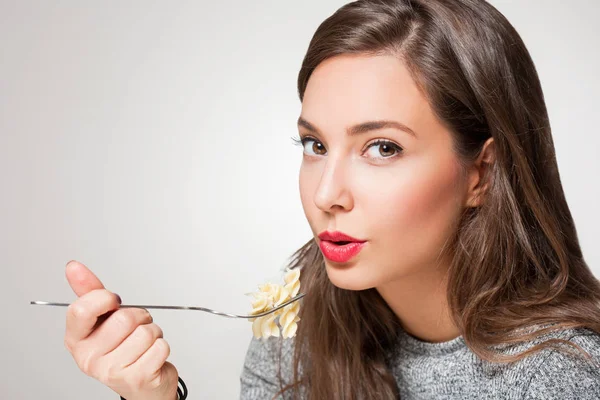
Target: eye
311 145
387 149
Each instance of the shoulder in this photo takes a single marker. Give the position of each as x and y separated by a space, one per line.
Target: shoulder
555 374
268 350
265 359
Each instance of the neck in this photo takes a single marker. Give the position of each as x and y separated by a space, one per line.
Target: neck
419 301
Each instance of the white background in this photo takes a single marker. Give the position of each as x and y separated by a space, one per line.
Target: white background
151 141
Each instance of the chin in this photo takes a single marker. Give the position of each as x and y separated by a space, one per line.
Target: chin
349 276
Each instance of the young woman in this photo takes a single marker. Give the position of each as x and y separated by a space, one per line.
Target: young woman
427 141
444 264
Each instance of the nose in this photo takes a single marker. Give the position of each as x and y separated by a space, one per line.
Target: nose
333 192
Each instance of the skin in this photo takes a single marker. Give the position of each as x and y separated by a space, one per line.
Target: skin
120 347
404 203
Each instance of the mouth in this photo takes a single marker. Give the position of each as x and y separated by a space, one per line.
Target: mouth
339 247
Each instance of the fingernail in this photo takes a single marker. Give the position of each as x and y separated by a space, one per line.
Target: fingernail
67 264
119 298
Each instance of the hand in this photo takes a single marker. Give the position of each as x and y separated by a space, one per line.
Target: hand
122 348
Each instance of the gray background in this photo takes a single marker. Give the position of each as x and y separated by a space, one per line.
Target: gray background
151 141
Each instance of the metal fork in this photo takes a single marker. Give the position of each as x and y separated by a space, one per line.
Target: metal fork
209 310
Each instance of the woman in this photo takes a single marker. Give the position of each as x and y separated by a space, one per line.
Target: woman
445 263
470 268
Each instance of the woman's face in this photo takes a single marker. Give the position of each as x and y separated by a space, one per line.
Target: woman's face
402 197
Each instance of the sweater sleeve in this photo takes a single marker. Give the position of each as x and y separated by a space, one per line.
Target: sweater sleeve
259 377
565 377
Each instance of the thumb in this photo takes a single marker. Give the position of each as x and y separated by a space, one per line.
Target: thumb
81 279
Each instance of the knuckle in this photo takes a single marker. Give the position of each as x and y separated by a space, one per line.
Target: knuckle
78 310
86 362
163 346
159 331
125 318
145 314
145 332
110 374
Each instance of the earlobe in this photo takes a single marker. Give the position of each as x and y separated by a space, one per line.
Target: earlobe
478 176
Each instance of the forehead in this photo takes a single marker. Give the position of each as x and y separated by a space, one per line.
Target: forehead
349 89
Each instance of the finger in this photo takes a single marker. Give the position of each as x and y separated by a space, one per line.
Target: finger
150 363
81 279
101 319
116 329
136 344
83 313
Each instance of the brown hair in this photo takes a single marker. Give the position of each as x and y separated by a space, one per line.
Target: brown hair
516 260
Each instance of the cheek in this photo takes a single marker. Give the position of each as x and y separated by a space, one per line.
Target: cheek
307 186
417 211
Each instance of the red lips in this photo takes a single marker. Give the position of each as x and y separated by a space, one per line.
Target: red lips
339 247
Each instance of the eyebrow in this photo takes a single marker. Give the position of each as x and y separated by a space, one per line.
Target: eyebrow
362 127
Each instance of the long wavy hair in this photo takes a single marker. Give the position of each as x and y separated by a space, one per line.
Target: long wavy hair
516 260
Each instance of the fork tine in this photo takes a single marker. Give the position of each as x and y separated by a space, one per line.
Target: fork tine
298 297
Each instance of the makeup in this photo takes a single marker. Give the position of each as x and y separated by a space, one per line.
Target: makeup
339 247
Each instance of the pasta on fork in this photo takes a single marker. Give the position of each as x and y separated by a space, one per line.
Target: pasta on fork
270 295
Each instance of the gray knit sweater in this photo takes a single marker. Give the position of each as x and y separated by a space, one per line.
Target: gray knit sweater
449 370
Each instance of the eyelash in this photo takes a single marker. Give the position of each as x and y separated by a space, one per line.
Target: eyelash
301 141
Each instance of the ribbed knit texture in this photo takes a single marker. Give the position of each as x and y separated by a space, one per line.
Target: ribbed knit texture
450 370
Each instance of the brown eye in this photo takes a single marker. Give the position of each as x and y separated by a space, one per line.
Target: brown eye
386 149
318 148
313 147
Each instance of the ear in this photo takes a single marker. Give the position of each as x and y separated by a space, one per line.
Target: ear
478 175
